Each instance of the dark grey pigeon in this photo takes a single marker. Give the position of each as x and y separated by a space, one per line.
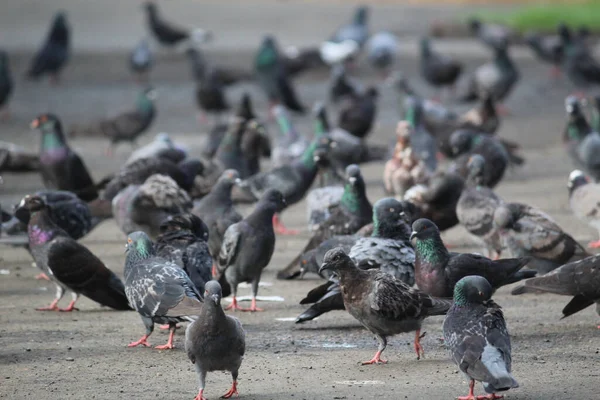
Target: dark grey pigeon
437 270
248 246
580 66
161 147
6 83
217 211
169 34
357 116
439 70
476 335
341 86
528 231
580 279
182 241
69 264
385 305
215 341
159 290
55 52
476 206
387 249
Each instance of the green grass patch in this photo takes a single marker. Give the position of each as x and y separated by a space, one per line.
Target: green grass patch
545 18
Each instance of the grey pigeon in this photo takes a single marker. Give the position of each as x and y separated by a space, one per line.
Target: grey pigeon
6 83
144 207
476 206
548 49
141 59
491 34
421 141
318 203
357 116
580 66
341 86
159 290
248 246
55 52
356 31
476 335
163 147
182 241
385 305
583 143
583 200
387 249
528 231
437 270
225 75
210 94
580 279
70 265
439 70
168 34
217 211
382 49
215 341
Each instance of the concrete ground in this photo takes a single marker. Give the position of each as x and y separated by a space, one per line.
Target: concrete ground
84 355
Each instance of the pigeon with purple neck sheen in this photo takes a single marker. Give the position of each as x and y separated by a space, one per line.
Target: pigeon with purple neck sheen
215 341
69 264
476 335
384 304
159 290
437 270
248 247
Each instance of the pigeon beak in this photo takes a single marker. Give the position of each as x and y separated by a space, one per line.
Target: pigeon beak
35 124
215 298
237 181
413 235
323 267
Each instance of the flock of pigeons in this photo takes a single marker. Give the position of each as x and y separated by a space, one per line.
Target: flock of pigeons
188 246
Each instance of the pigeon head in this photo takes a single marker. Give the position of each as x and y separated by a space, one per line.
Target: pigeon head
59 33
474 25
46 123
472 289
564 32
191 167
245 110
212 291
32 203
354 188
274 198
389 219
320 158
577 179
185 222
372 92
164 138
504 218
267 54
361 15
353 175
476 167
149 93
423 229
336 260
572 105
139 246
230 177
150 7
461 141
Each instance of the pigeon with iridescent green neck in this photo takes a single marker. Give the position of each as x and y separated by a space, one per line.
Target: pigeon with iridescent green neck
476 335
353 212
437 270
61 168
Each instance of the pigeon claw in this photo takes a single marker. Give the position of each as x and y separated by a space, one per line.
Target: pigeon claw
52 307
231 391
169 344
200 396
470 396
418 348
42 276
492 396
69 308
376 359
253 307
143 341
594 245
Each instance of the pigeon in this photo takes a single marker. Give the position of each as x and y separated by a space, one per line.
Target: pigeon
482 117
476 206
382 303
465 143
492 35
387 249
141 60
215 341
437 270
248 246
136 173
405 169
582 69
318 203
580 279
226 75
210 94
256 144
217 211
169 35
497 78
528 231
297 61
341 86
353 212
6 83
548 49
583 144
338 53
125 127
159 290
358 116
382 48
437 199
61 168
438 69
583 200
144 207
55 52
70 265
422 142
356 31
15 158
477 337
289 144
161 147
230 154
273 77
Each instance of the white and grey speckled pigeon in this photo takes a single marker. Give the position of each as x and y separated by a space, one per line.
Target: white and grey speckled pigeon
318 202
215 341
584 199
476 335
159 290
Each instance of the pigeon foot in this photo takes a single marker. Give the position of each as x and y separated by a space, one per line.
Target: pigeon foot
143 341
42 276
52 307
492 396
234 306
231 391
69 308
470 396
376 359
418 348
594 245
200 396
280 228
214 271
253 307
169 344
